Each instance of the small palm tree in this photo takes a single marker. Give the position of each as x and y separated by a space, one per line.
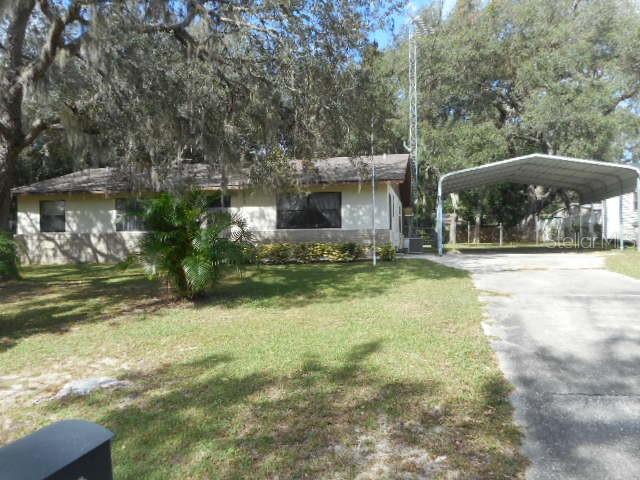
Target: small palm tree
189 246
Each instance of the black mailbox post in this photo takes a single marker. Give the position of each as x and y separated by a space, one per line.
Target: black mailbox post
67 450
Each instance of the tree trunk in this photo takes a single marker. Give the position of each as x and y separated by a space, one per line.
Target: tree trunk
453 232
8 156
476 228
453 221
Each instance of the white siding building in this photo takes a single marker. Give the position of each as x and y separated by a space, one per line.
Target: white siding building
611 214
78 217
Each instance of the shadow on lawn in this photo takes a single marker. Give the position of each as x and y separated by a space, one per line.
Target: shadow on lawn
197 420
287 286
52 299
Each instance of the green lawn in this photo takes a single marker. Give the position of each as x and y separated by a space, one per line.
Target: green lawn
627 262
329 371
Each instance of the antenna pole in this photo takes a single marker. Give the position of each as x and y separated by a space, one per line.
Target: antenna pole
373 199
413 98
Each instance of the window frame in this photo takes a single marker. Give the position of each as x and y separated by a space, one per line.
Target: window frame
223 200
125 221
44 228
283 224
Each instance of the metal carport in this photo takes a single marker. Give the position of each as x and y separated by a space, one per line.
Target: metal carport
593 181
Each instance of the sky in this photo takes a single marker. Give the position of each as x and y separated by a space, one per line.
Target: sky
385 37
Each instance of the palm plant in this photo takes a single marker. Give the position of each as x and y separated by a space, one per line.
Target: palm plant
189 246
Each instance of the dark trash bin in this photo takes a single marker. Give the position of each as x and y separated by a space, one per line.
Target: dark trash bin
66 450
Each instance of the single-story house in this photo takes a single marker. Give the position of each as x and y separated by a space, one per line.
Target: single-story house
86 216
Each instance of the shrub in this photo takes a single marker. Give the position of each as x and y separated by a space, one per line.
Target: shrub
9 260
276 253
279 253
303 253
189 246
387 252
352 251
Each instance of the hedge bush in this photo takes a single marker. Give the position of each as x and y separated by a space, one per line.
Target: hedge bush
279 253
8 258
387 252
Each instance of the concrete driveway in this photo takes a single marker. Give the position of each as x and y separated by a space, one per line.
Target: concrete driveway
567 335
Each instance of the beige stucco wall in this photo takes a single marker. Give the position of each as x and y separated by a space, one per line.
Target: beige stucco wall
61 248
259 208
91 234
84 213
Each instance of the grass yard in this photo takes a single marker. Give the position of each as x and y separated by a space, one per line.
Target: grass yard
627 262
318 371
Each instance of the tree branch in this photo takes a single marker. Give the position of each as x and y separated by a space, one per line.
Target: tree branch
625 96
38 127
55 41
4 131
178 29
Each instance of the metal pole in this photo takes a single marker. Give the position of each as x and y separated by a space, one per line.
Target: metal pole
621 221
638 213
440 240
500 233
413 96
373 200
605 219
580 225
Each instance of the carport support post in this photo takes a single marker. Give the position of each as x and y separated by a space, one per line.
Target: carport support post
621 220
638 213
439 220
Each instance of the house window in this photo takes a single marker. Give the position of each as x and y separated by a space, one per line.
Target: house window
315 210
52 216
129 216
218 200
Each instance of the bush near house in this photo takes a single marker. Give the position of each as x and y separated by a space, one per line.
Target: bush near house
9 261
189 246
387 252
280 253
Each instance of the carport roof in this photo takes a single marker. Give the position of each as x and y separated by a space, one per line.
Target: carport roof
593 181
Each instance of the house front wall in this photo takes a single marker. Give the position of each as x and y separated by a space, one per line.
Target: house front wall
90 223
90 234
260 212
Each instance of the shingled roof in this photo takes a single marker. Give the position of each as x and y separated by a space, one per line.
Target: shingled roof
392 168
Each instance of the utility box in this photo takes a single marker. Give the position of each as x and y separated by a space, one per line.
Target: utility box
66 450
416 245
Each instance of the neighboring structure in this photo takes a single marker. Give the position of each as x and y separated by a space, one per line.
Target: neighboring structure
611 212
593 181
86 216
